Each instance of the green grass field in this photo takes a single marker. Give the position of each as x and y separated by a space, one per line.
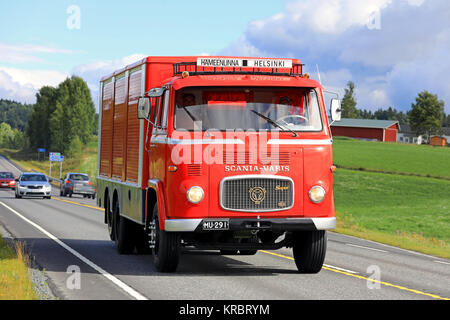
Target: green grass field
421 160
408 211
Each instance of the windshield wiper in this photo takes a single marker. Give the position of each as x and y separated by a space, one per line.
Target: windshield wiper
272 122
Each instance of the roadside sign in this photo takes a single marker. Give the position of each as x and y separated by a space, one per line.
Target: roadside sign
55 156
42 150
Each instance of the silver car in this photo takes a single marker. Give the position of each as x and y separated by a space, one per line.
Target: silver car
77 183
32 184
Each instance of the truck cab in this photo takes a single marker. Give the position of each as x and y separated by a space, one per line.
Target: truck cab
238 156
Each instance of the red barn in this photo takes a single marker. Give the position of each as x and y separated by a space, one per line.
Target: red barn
381 130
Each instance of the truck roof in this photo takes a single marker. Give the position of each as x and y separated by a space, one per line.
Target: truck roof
214 63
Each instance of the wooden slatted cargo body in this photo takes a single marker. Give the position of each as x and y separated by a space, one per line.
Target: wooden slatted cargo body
123 164
107 115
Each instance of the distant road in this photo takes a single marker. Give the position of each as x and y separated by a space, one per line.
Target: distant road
65 233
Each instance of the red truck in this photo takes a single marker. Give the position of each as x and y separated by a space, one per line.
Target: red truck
216 153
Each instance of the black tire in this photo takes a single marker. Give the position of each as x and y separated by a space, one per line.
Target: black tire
124 232
227 252
166 253
309 248
247 252
110 220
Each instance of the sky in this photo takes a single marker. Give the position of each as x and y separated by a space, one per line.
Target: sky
390 49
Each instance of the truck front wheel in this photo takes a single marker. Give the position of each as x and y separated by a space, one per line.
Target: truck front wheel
166 251
309 248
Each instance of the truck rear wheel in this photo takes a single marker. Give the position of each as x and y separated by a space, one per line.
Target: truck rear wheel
124 232
166 251
110 220
309 248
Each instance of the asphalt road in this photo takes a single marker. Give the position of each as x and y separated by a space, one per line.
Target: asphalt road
68 234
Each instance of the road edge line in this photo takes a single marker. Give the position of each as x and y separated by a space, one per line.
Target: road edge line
136 295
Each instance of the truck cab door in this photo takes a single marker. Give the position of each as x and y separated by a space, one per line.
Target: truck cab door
158 139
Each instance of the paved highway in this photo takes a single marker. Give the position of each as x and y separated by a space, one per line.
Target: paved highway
68 234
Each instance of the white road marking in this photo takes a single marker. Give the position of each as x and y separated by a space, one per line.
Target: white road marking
442 262
368 248
104 273
341 269
385 245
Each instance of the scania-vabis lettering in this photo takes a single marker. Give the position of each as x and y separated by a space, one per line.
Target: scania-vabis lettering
216 153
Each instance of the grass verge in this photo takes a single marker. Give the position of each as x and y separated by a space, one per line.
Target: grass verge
15 282
405 211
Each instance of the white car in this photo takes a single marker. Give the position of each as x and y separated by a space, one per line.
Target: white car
32 184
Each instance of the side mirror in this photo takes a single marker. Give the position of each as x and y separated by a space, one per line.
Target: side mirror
335 110
17 179
156 92
144 107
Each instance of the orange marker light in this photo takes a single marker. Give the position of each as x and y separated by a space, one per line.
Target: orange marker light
333 168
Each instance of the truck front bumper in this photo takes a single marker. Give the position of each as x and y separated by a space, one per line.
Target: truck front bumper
238 224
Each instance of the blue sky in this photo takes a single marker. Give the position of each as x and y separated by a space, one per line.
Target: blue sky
391 49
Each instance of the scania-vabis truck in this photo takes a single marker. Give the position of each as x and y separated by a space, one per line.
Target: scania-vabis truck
216 153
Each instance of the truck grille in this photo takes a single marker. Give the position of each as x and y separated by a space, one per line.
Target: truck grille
257 193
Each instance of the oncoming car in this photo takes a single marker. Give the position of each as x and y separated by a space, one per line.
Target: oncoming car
77 183
7 180
33 185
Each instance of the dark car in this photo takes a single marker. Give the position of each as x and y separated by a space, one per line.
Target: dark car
77 183
33 185
7 180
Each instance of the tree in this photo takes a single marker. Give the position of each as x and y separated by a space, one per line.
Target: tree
15 113
427 114
38 130
349 103
73 116
446 122
6 135
62 114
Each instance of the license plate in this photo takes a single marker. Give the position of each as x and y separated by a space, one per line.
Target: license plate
216 224
4 184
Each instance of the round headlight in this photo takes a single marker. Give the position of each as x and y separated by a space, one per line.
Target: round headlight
317 194
195 195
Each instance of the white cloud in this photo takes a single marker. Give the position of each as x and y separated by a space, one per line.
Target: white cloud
26 52
408 53
35 78
22 84
12 90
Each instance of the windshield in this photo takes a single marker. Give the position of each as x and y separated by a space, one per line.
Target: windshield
283 109
6 175
79 177
34 177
